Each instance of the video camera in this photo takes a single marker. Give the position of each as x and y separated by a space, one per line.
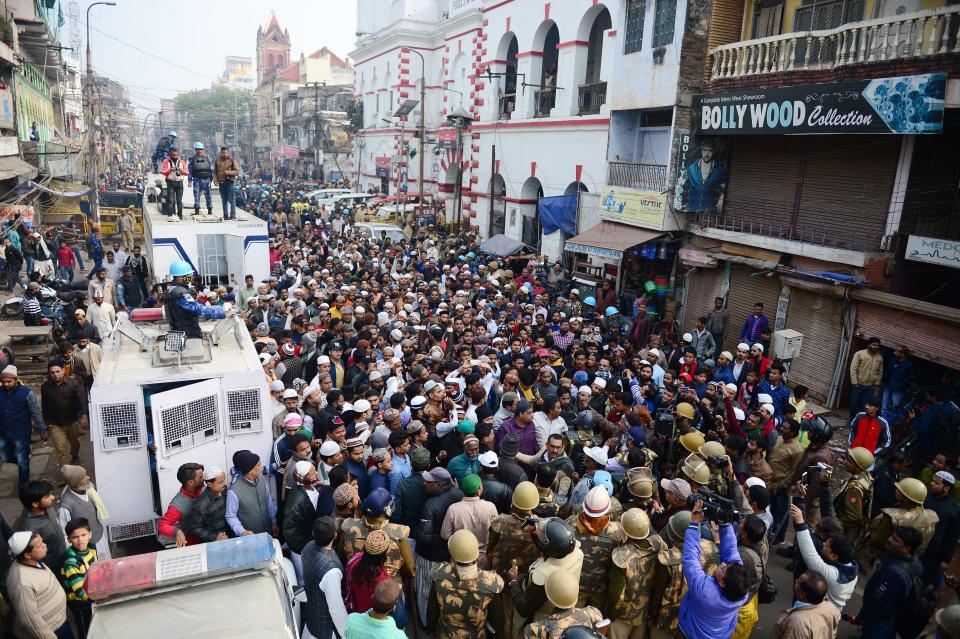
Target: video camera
664 422
715 508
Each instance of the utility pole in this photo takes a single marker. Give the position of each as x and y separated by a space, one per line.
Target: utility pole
317 145
91 141
421 130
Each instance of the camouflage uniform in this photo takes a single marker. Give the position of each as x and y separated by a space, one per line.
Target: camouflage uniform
634 568
881 528
669 587
554 625
460 609
717 483
507 541
852 504
597 550
353 535
548 506
533 590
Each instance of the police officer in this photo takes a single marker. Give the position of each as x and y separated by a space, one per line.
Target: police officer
181 309
852 503
201 172
463 598
717 483
509 545
668 582
376 515
560 552
631 578
598 537
561 591
507 541
911 494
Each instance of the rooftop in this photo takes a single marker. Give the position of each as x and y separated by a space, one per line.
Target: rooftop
136 353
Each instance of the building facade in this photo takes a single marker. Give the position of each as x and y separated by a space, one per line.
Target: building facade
816 181
238 73
286 93
530 76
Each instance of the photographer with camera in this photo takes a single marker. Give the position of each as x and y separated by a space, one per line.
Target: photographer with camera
709 609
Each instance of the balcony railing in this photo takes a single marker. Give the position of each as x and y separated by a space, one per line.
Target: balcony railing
546 99
817 234
899 37
508 102
592 97
646 177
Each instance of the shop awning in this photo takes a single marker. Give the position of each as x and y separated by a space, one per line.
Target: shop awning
609 239
12 166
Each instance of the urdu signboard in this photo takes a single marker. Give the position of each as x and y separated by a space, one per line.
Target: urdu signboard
904 104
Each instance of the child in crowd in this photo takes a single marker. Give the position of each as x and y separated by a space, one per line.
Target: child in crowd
76 563
747 395
40 516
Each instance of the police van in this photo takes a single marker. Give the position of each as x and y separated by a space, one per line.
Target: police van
241 587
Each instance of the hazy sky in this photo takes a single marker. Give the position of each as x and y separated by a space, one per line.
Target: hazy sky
196 35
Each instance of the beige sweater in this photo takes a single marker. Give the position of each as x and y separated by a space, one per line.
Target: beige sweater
38 600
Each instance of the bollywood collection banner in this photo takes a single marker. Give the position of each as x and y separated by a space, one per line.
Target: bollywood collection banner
905 104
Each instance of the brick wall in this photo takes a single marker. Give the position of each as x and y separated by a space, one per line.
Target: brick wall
726 22
949 64
690 80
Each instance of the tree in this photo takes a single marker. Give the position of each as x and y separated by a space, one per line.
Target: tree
354 112
206 109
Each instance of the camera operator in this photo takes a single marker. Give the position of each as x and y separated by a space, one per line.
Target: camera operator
709 609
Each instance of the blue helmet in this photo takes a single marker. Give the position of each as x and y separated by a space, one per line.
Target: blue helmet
173 134
605 479
179 268
198 145
590 301
379 502
611 310
585 419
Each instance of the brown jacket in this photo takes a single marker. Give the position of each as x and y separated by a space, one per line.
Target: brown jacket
224 169
783 459
808 622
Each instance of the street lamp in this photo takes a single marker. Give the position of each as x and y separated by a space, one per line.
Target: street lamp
460 120
91 143
423 106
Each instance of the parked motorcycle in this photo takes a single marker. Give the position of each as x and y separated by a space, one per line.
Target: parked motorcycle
51 306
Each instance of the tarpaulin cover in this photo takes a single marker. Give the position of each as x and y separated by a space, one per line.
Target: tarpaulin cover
501 246
558 212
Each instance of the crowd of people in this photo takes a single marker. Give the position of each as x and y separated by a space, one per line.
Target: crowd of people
467 444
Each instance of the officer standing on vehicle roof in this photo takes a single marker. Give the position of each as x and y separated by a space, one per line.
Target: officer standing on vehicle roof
201 173
181 309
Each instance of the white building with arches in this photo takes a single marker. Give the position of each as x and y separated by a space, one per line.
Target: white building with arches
538 80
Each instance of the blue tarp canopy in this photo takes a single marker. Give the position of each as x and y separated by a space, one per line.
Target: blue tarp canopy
558 212
501 246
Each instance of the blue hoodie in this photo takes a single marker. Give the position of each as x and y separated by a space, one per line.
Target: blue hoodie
704 612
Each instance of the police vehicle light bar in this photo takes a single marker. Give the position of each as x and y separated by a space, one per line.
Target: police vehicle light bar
178 565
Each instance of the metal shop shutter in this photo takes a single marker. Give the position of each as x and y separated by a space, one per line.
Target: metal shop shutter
763 178
703 285
745 291
847 182
929 339
819 318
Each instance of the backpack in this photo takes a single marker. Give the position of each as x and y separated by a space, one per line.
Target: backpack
916 607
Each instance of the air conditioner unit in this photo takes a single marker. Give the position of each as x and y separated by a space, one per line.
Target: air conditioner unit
787 344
